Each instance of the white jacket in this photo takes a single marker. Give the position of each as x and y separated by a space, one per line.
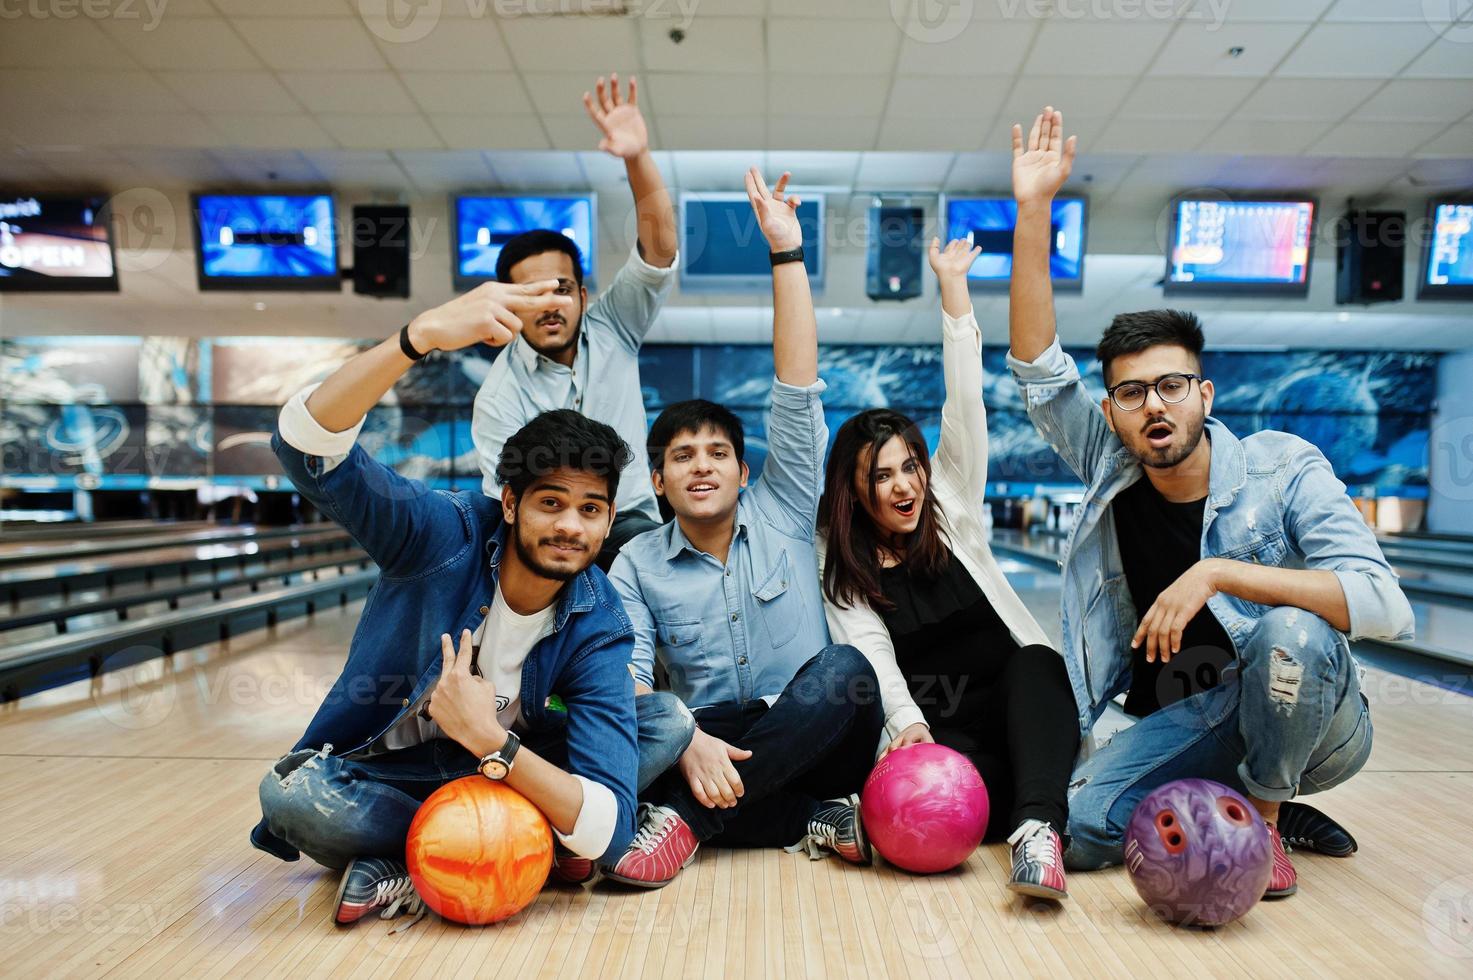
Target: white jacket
959 484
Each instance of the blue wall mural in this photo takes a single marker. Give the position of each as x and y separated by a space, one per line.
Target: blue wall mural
130 412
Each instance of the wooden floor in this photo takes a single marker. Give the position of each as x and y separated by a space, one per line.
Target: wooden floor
123 852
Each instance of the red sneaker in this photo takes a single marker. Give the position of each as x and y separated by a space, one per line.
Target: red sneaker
1038 861
569 868
662 846
1284 880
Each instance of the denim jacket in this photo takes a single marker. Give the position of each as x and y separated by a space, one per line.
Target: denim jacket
439 554
1272 499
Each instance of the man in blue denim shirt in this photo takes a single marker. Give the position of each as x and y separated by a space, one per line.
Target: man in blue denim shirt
544 644
1277 713
728 593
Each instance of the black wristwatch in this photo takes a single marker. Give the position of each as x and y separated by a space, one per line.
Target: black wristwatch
790 255
497 765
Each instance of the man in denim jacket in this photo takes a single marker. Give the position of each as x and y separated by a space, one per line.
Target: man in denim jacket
539 692
1181 577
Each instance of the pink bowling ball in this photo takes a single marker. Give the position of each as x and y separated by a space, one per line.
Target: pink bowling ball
924 808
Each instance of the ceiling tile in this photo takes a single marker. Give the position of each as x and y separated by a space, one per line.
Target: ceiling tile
342 91
902 132
712 170
363 168
1306 98
1419 99
85 91
1185 98
601 45
440 169
543 170
572 131
1356 50
1453 141
453 45
1434 14
1198 49
1263 136
1218 12
231 91
727 44
1451 56
905 171
380 131
694 93
36 43
820 133
561 93
184 43
296 130
712 132
983 48
965 101
483 132
1095 48
827 95
461 92
285 8
288 44
1079 99
830 46
268 166
1376 139
1152 135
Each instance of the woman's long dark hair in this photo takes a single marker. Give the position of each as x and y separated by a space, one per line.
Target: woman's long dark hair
851 571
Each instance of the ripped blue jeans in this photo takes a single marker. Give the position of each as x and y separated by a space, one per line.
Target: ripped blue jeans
1287 718
333 809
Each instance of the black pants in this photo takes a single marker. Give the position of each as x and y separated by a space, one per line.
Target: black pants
625 527
816 742
1022 736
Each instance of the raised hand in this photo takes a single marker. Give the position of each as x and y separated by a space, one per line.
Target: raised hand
1043 161
489 314
777 214
954 260
619 119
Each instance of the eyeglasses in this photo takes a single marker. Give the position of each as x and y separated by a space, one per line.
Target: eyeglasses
1129 396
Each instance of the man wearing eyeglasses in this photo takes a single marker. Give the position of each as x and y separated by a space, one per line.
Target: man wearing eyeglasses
1213 580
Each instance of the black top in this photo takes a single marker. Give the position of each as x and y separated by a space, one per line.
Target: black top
950 643
1159 541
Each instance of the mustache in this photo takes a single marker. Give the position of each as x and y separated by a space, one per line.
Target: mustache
1155 422
547 318
563 543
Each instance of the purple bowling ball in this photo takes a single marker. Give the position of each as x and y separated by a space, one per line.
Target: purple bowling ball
1198 853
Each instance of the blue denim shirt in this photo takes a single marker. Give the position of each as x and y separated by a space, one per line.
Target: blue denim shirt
1272 499
739 631
438 555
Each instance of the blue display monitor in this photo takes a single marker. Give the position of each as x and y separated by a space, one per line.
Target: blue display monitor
988 222
1257 247
56 244
266 241
1447 259
483 224
722 248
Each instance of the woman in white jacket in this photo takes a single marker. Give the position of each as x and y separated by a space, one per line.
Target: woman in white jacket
909 579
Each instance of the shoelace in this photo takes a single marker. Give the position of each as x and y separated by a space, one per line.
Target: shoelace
821 834
1038 843
650 834
402 898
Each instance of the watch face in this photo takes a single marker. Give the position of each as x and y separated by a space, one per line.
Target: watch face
494 769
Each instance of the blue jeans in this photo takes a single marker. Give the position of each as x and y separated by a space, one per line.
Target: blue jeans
334 809
1287 718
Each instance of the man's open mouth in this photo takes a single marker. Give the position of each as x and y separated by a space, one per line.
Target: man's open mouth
1158 434
701 491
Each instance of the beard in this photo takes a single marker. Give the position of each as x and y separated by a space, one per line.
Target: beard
527 552
554 349
1168 456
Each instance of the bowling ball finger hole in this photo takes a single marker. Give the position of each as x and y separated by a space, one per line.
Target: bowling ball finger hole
1169 832
1233 811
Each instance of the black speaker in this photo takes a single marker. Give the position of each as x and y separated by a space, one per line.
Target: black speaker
381 250
896 251
1370 256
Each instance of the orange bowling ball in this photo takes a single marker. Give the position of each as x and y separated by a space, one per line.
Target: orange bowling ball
478 851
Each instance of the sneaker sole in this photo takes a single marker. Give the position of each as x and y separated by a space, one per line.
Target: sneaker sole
611 876
337 902
1036 891
1281 893
861 839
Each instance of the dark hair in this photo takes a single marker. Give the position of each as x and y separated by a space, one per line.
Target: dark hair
1131 333
530 243
562 439
851 570
693 416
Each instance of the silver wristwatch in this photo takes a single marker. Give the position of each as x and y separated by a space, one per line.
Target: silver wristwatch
497 765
